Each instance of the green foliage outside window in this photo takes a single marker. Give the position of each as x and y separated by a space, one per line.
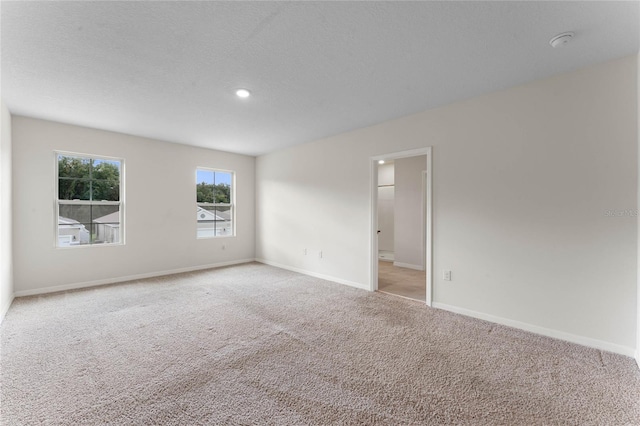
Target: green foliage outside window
88 179
213 193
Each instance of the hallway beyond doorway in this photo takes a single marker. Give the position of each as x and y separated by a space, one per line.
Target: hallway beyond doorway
404 282
386 255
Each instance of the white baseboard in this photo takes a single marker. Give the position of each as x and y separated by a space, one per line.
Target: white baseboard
408 265
5 308
561 335
315 274
95 283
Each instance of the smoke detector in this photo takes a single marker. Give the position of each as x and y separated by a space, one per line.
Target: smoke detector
561 39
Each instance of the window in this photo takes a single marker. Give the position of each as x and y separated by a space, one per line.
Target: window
88 201
214 200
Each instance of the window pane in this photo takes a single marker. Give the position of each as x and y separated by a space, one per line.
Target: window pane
73 189
106 190
88 179
214 221
206 221
204 186
74 225
205 176
69 213
88 224
223 177
106 169
105 214
222 193
74 167
106 180
223 221
106 224
204 192
222 187
73 234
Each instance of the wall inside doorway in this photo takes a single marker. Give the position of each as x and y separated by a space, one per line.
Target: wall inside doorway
386 200
409 213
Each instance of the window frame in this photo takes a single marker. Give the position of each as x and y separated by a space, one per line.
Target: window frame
231 205
58 202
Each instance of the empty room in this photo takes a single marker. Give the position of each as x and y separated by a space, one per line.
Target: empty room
318 213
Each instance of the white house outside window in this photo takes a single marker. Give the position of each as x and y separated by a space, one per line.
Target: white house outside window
215 203
88 200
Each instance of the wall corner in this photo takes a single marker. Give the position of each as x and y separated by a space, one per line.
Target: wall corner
6 207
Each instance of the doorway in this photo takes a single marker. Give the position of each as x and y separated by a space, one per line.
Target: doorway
401 258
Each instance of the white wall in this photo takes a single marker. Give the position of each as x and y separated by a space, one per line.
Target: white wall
6 258
160 220
409 212
638 205
386 201
522 179
386 174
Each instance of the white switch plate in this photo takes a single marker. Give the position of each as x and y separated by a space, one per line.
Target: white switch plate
446 275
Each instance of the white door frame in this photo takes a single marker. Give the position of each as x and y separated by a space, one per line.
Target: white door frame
428 206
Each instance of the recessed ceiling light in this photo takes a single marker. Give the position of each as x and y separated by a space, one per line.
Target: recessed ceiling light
380 161
561 39
243 93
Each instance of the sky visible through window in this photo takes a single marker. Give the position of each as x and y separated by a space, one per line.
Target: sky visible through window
114 163
96 161
208 176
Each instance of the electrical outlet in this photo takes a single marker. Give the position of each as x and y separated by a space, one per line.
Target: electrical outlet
304 251
224 247
446 275
320 254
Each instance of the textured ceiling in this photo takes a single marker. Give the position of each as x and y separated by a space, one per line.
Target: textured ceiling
168 70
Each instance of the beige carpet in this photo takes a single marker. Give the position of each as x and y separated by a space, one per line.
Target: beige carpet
253 344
